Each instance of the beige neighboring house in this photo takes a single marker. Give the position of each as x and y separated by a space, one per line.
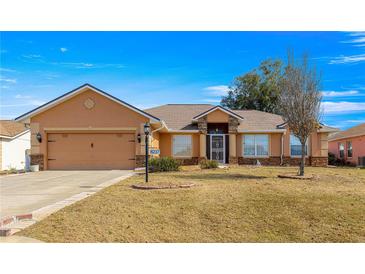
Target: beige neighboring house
14 144
88 128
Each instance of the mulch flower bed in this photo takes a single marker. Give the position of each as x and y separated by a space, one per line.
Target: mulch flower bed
295 176
147 186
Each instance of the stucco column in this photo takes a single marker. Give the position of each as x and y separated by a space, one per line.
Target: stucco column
202 146
233 149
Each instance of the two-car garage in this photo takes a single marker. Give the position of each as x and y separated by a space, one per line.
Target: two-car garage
87 128
77 151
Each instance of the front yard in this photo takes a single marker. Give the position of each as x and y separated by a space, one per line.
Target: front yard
241 204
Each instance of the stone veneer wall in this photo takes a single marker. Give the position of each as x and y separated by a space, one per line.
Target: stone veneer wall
233 124
275 161
37 159
203 125
233 160
140 160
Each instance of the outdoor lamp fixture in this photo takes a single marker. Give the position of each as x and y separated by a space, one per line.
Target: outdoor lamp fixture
39 137
139 138
146 133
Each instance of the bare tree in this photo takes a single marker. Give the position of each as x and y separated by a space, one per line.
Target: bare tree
300 101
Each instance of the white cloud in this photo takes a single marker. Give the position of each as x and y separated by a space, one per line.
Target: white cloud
356 40
220 90
8 80
35 58
339 93
20 96
7 70
347 59
357 33
4 87
342 107
31 56
30 103
63 49
37 102
356 121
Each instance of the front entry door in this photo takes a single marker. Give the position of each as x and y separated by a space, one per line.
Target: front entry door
217 147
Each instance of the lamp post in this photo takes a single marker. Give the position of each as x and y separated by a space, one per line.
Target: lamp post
147 133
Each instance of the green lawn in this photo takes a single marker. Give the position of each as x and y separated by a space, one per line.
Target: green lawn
241 204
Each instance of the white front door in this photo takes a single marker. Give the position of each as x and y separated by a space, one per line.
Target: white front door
217 147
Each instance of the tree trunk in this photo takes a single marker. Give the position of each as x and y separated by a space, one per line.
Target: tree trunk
302 162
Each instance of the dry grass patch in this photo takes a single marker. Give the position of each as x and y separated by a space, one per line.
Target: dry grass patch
240 204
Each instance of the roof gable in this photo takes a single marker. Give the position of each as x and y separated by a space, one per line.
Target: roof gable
355 131
179 116
229 112
75 92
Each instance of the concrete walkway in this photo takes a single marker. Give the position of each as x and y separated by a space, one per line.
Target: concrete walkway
29 192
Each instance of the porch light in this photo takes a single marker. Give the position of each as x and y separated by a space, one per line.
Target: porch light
39 137
147 129
139 138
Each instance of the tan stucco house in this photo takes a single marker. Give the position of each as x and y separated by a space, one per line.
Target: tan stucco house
88 128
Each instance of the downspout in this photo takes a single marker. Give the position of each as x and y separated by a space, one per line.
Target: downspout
163 125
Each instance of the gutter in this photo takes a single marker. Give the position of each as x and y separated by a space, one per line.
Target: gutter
163 125
15 136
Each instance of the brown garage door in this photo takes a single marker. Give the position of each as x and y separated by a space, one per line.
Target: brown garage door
91 151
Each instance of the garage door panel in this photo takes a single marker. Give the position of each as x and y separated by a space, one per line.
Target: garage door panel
91 151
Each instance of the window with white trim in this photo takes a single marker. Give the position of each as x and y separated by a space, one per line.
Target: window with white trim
256 145
341 148
182 146
296 146
349 149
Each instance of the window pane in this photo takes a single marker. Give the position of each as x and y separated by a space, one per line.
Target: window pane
349 149
342 150
262 145
182 146
296 146
249 145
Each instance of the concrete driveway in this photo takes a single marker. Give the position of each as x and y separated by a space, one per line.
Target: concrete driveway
24 193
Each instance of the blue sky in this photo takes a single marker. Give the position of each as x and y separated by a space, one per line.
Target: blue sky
152 68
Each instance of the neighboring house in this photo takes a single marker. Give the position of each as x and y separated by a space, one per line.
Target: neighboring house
14 143
349 144
87 128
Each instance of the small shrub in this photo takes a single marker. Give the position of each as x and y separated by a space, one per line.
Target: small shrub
331 159
207 164
163 164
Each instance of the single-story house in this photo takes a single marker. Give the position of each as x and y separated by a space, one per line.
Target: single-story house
14 145
88 128
348 145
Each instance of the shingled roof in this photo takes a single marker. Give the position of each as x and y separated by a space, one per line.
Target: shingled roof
180 116
351 132
9 128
